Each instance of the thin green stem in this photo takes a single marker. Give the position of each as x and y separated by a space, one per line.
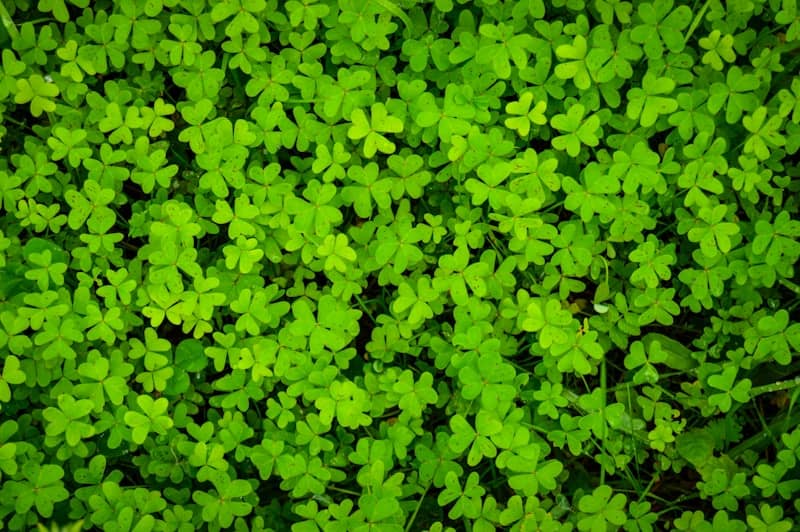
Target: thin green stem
8 22
416 509
179 157
553 206
17 123
395 11
363 306
775 387
760 440
671 505
765 426
635 450
603 388
605 263
646 491
345 491
790 285
697 20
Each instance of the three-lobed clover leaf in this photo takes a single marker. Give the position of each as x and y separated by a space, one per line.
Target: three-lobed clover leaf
336 252
774 337
575 66
730 389
367 189
651 100
720 47
307 13
662 26
601 509
243 255
372 128
659 306
414 396
70 144
736 95
645 361
120 125
578 128
101 381
467 499
500 45
46 270
549 320
12 374
531 475
479 440
314 214
38 92
333 327
40 485
223 504
201 79
577 356
91 207
416 301
330 162
429 48
764 133
100 325
714 235
151 418
777 240
68 419
654 264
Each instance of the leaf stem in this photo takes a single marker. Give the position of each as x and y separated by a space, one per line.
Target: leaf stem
363 306
761 439
8 22
646 491
765 426
697 20
603 388
345 491
775 387
790 285
17 123
417 508
395 11
633 439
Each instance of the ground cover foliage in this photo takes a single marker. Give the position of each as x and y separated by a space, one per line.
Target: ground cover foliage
390 265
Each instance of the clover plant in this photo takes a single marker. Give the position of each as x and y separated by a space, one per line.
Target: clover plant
393 265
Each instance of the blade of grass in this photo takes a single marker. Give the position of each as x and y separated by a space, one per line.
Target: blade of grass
8 22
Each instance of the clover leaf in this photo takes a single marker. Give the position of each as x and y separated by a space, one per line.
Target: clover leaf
602 509
578 128
719 47
221 506
371 129
549 320
40 486
764 133
650 101
662 26
729 389
12 374
38 92
152 418
67 419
